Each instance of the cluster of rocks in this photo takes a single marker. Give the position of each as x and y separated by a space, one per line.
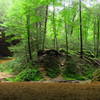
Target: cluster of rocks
52 55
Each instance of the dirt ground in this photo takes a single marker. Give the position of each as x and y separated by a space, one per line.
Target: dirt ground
49 91
5 60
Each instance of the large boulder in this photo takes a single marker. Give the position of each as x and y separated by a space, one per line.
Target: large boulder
4 51
49 56
51 60
4 46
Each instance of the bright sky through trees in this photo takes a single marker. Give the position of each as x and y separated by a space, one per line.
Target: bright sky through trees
89 3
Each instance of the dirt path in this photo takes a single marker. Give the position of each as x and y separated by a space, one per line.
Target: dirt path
49 91
4 75
5 60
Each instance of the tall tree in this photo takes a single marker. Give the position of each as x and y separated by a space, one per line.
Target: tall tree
66 30
81 33
45 27
98 38
94 35
54 27
28 35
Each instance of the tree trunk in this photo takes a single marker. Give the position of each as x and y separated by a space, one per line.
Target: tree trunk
98 36
37 36
94 37
73 19
54 28
28 35
45 27
66 37
66 32
81 33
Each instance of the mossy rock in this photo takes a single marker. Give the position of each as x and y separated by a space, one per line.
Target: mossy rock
96 75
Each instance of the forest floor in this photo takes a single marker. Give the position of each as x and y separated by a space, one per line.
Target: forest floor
49 91
4 75
5 60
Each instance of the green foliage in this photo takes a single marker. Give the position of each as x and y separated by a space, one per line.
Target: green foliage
53 71
71 73
74 77
96 75
70 67
16 65
88 71
8 66
14 13
29 75
51 66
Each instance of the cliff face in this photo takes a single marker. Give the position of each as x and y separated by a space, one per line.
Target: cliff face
4 51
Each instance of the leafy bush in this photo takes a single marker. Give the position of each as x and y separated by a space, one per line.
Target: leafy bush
51 65
74 77
16 65
8 66
53 71
29 75
70 68
88 72
96 75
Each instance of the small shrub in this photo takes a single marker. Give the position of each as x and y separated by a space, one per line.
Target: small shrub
29 75
96 75
52 66
74 77
89 72
53 72
70 68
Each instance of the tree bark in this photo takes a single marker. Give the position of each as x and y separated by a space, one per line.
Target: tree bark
45 27
94 37
81 33
73 19
66 37
66 32
54 28
28 35
98 36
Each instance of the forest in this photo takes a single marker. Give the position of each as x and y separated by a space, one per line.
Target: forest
50 40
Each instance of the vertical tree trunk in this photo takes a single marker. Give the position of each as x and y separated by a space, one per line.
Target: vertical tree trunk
81 33
40 35
73 19
94 37
54 28
28 35
66 37
66 31
45 27
98 36
37 36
